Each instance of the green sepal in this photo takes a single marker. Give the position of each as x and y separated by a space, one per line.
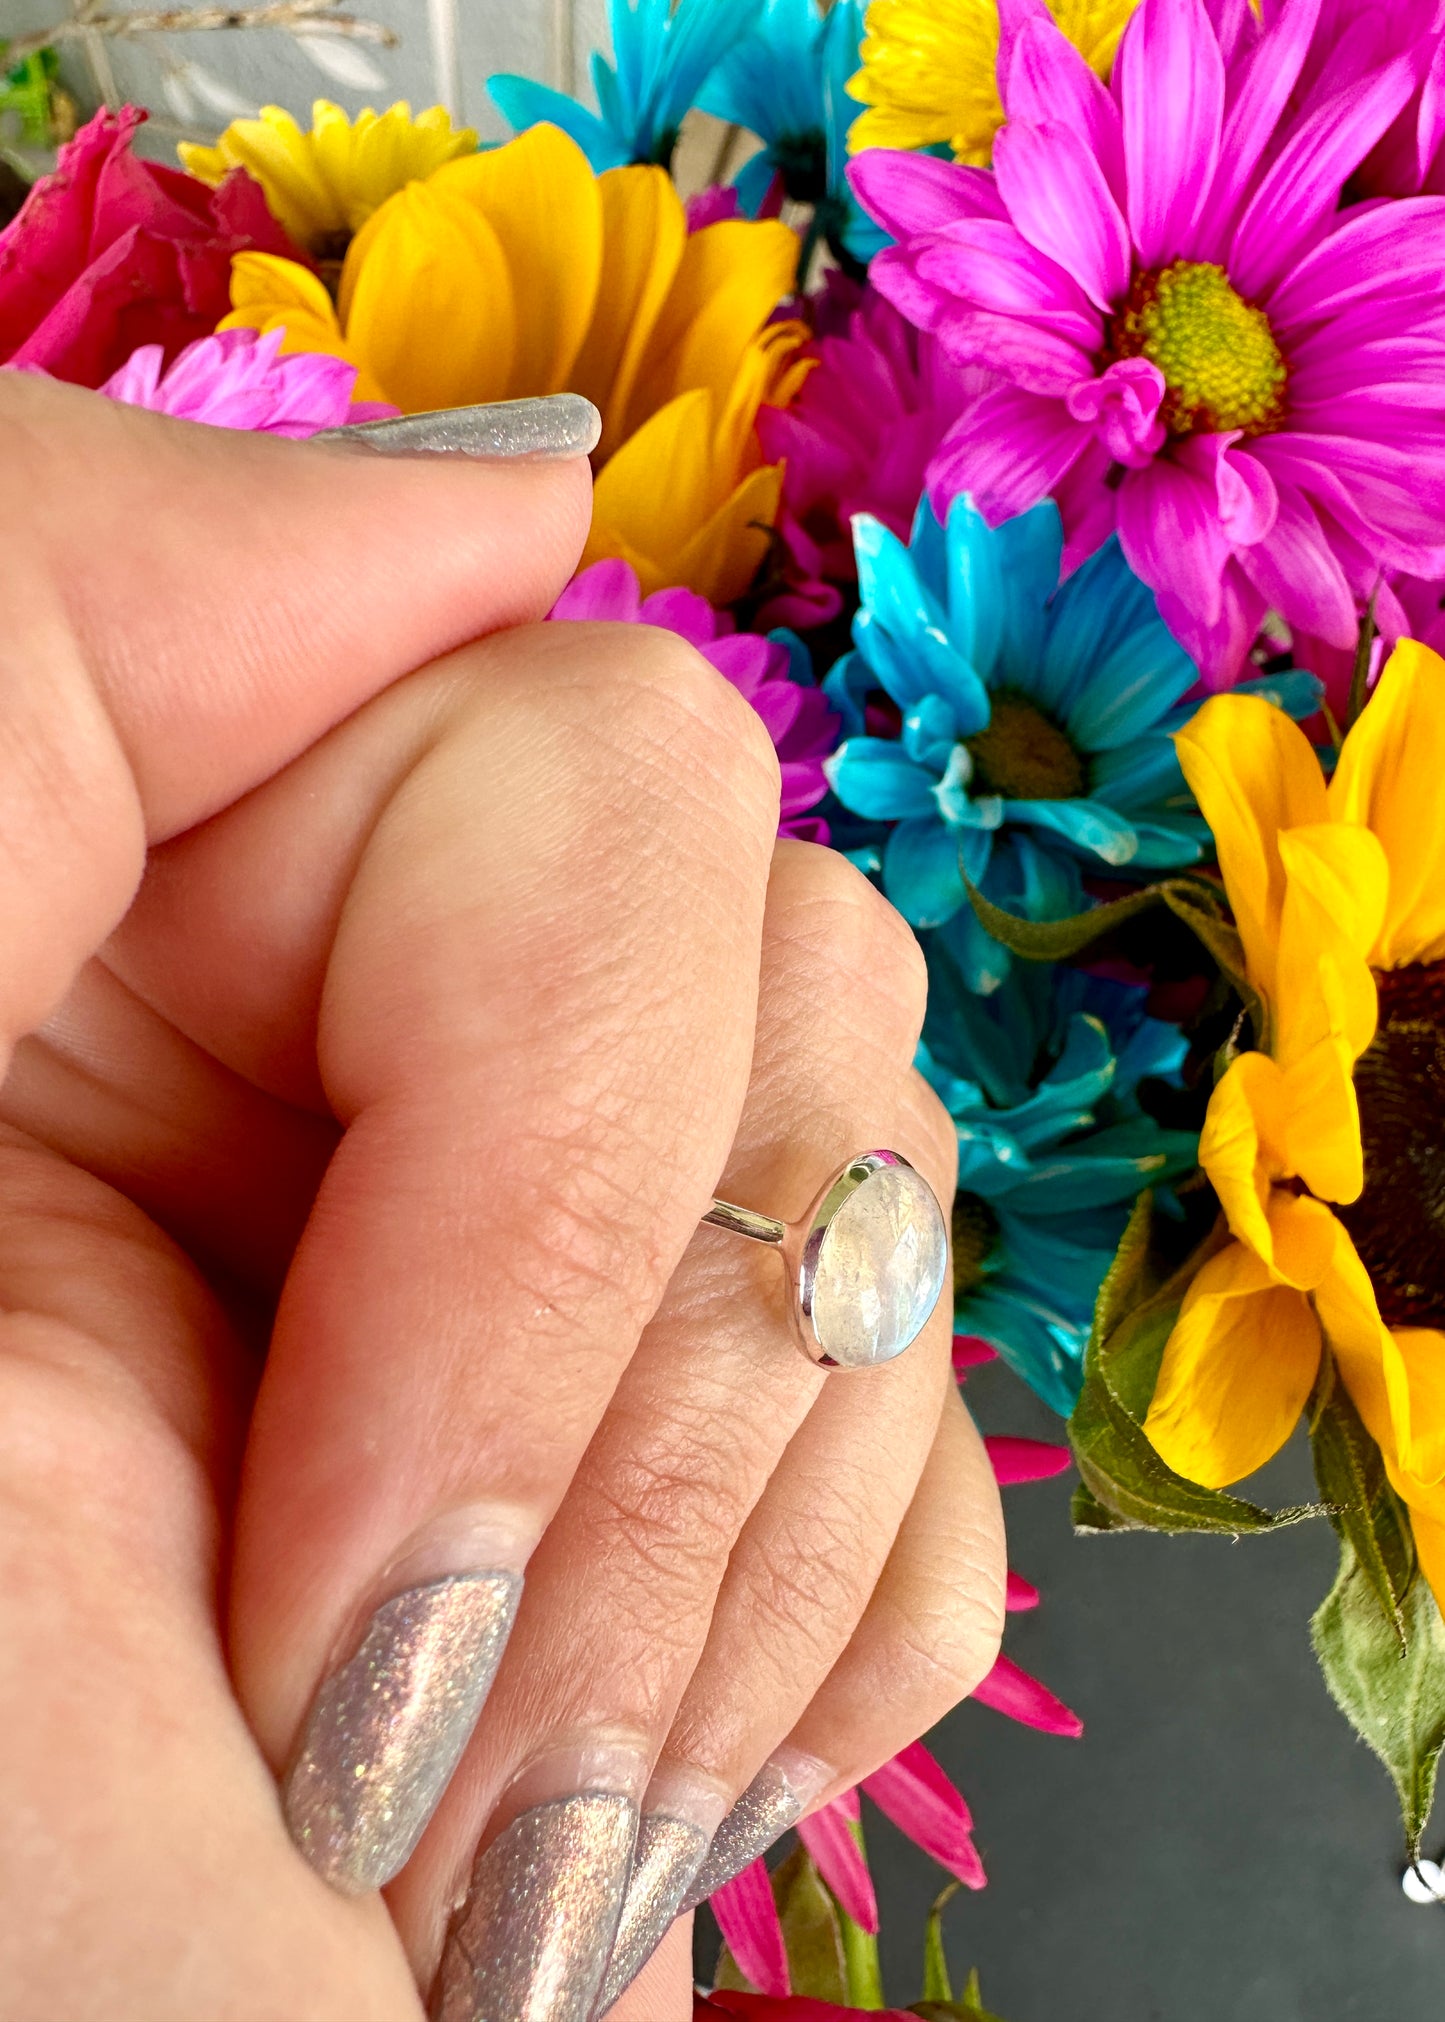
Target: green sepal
1198 901
969 2008
812 1929
1393 1698
1358 1498
937 1985
1120 1468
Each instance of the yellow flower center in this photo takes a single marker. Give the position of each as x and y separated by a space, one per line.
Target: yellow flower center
1398 1223
1023 756
975 1232
1222 368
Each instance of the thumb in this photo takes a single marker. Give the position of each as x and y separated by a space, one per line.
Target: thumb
189 608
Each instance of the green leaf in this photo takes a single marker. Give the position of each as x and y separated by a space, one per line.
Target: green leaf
1360 672
812 1930
1394 1699
1359 1500
1198 901
937 1986
1119 1466
1090 1518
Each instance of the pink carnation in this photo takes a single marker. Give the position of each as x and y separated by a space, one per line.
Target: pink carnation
111 253
1201 348
238 380
803 728
857 439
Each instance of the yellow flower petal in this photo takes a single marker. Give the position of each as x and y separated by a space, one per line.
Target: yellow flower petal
429 302
539 191
1242 1146
928 69
326 183
730 279
1389 779
1236 1373
721 560
1365 1350
644 232
272 294
1253 773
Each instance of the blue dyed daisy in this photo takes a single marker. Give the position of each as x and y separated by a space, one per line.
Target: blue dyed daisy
785 81
1037 719
663 57
1042 1081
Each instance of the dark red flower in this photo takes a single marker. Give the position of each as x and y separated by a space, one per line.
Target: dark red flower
111 252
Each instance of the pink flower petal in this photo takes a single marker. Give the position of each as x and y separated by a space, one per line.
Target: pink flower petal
1009 1690
1059 199
1021 1594
914 1791
911 193
969 1351
825 1833
1045 78
1122 407
1170 531
1297 572
1016 1460
1010 450
747 1916
1262 88
1169 81
1304 184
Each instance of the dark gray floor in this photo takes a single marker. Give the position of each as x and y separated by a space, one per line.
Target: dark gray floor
1218 1847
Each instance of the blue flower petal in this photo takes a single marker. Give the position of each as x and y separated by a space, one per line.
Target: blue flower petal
923 872
975 587
846 686
1086 825
523 102
1030 553
1298 694
871 776
1046 1350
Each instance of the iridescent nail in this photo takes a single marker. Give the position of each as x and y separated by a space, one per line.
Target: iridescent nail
388 1727
531 1942
669 1853
776 1798
548 426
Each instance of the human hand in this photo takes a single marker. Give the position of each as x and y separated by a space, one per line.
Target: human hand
443 1007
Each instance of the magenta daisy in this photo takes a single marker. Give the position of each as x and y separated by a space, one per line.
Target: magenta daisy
238 380
857 439
803 728
1200 347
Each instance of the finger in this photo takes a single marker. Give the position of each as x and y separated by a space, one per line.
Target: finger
144 686
704 1427
932 1628
538 1041
143 1862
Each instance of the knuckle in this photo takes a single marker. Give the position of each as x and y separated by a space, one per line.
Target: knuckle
806 1588
948 1627
668 1520
841 922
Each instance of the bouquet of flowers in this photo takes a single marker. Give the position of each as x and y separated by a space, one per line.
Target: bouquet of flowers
1044 429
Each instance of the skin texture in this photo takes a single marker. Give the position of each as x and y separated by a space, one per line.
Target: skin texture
395 1004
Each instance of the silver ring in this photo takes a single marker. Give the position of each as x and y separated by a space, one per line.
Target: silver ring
866 1265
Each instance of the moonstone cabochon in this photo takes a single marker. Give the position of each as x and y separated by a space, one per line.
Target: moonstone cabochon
880 1270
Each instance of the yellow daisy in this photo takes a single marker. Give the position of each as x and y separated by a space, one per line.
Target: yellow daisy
519 271
1327 1146
929 69
325 184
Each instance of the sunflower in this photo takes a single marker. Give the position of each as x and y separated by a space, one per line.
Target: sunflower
325 184
518 271
929 69
1327 1145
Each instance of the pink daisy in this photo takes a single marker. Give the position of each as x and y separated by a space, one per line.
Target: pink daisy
857 439
1201 348
238 380
803 728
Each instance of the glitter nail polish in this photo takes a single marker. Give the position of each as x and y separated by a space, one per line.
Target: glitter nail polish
669 1853
775 1799
388 1727
531 1942
546 426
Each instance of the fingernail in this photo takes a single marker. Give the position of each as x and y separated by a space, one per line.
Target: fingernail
776 1798
388 1727
558 425
669 1853
531 1941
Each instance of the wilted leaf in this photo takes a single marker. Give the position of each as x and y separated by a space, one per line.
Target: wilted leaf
811 1929
937 1986
1119 1466
1393 1698
969 2008
1359 1500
